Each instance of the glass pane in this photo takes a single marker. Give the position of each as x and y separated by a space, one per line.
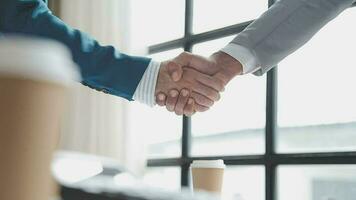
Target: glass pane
160 139
235 125
163 177
317 85
327 182
209 14
156 21
162 56
244 183
145 123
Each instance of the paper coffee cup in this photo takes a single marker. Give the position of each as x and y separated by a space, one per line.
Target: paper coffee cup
34 77
208 175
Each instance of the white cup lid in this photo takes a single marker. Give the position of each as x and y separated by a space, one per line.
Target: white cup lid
37 59
208 164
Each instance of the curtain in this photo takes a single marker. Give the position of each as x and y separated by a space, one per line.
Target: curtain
95 122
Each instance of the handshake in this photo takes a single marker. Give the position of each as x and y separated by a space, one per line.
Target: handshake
190 83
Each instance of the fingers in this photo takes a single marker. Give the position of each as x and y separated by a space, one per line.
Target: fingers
213 82
202 100
179 104
182 101
172 100
189 108
175 71
206 91
161 99
202 84
200 108
224 79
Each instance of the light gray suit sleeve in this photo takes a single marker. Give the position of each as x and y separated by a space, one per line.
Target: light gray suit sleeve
285 27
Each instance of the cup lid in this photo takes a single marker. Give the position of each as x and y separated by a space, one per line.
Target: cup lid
208 164
37 59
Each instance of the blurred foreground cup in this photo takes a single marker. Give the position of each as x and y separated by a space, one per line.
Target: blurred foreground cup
35 76
207 175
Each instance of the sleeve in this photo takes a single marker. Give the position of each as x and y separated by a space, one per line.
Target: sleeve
285 27
102 67
145 92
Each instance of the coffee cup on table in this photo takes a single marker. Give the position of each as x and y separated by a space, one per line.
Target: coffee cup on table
35 76
207 175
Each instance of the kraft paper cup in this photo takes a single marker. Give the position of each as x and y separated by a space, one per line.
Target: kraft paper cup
207 175
35 75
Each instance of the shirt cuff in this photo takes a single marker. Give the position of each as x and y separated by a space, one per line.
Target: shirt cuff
244 56
145 91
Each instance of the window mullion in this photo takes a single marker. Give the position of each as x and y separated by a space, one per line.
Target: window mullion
271 126
186 131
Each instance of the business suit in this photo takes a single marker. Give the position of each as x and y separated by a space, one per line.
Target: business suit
281 30
101 67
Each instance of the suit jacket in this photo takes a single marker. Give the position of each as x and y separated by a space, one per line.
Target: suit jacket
285 27
102 67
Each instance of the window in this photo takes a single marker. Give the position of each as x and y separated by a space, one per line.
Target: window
325 182
225 135
299 143
226 13
326 113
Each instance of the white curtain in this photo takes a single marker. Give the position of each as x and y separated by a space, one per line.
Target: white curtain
96 122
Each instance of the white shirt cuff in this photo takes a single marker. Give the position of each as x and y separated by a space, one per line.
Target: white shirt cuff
145 91
244 56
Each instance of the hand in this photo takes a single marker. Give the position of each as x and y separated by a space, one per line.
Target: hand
195 87
220 65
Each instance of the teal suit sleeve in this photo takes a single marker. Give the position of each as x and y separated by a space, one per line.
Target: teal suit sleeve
101 67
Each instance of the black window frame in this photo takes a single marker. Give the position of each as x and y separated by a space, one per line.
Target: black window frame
271 159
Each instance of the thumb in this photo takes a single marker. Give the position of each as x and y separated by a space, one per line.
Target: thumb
175 71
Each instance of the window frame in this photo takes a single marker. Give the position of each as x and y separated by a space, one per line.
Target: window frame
271 159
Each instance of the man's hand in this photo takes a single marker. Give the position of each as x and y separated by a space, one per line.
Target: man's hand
220 65
197 90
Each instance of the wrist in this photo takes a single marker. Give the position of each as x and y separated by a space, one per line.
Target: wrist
230 67
229 63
